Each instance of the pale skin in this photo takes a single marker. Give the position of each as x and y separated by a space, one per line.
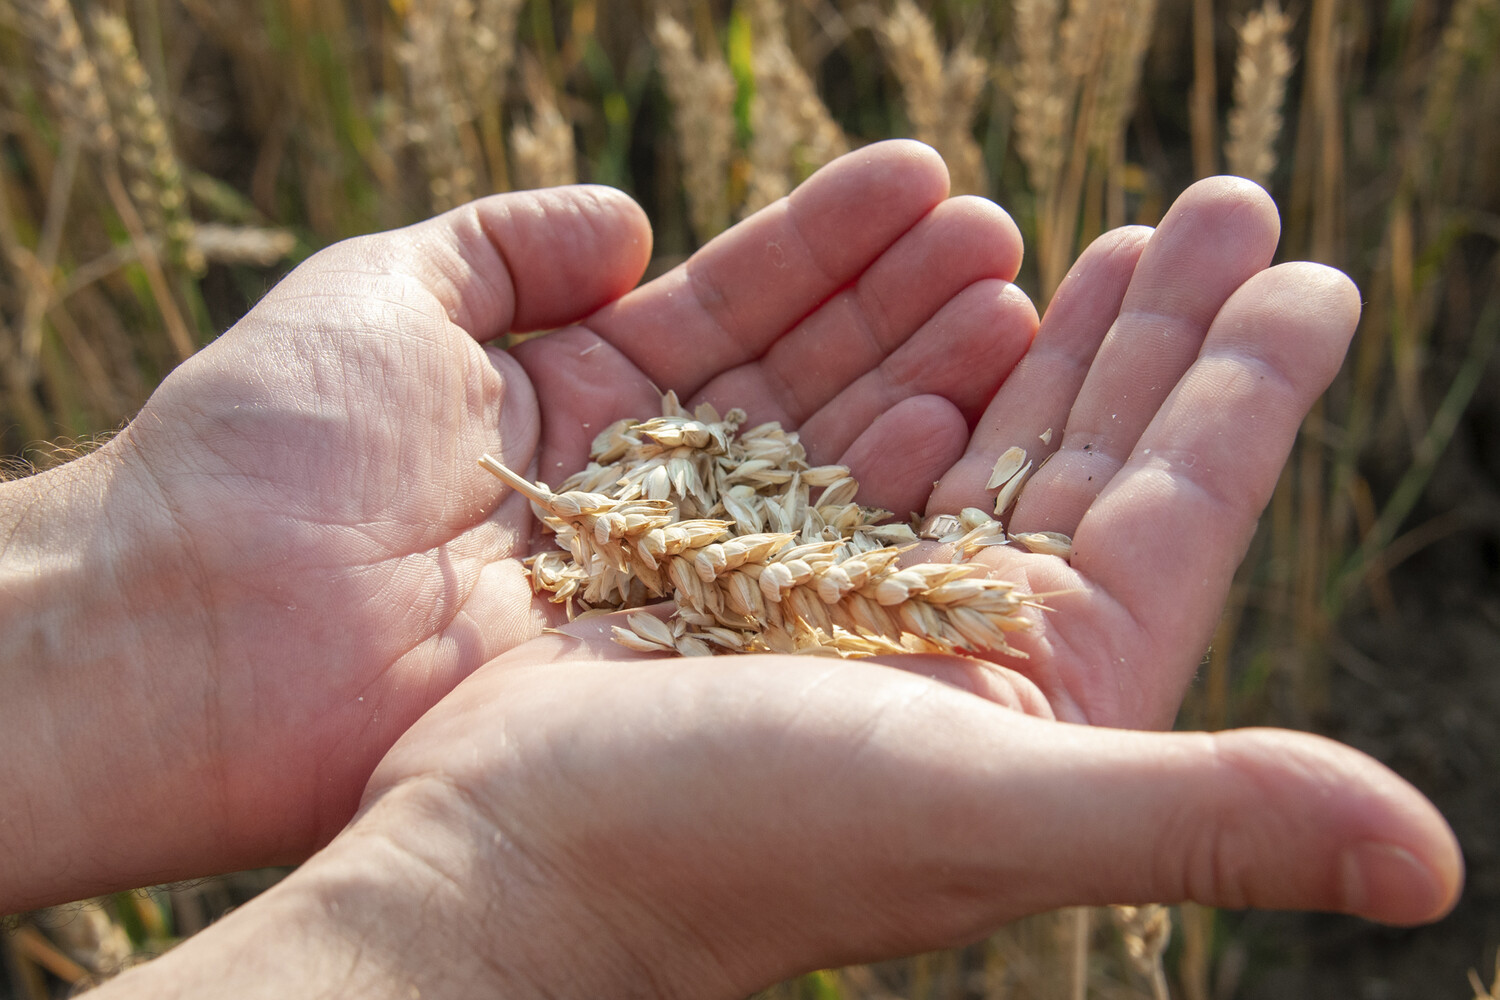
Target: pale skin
282 615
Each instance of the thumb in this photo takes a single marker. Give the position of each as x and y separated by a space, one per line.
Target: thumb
524 260
1251 818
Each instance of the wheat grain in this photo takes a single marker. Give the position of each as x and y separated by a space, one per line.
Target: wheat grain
1261 72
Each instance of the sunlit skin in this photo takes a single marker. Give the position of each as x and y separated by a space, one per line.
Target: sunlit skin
286 592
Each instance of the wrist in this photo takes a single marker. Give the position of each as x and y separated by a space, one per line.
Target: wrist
409 900
84 637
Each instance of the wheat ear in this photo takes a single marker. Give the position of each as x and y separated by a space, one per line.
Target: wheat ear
766 590
1261 72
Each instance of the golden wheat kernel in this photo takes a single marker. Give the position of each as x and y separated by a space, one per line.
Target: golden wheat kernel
1011 488
775 580
1006 466
631 641
648 626
828 476
1051 543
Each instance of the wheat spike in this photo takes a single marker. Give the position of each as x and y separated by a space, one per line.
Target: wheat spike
440 113
1261 72
1463 42
154 175
940 95
793 132
702 93
253 245
543 149
483 36
72 77
1145 931
726 523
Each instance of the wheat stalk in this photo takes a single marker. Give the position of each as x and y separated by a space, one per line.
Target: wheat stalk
1261 72
725 524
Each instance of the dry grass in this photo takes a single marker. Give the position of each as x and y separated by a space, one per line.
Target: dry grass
250 134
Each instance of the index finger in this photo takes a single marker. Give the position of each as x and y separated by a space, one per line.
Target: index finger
735 297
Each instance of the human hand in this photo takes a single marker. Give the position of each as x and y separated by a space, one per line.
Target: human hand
303 555
710 828
574 820
1173 370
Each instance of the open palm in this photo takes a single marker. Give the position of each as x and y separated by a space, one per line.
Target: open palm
342 562
1159 402
712 827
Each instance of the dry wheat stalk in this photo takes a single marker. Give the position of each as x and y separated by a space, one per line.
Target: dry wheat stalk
725 523
940 95
1261 71
702 92
153 173
544 152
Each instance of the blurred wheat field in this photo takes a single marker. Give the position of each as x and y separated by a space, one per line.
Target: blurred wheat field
166 160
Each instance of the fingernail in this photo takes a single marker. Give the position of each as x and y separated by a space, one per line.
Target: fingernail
1390 879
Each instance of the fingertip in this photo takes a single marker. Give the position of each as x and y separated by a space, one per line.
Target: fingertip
920 159
1229 216
1391 884
568 250
1320 290
859 203
1391 856
1230 190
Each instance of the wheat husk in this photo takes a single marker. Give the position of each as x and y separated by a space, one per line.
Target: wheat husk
760 550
